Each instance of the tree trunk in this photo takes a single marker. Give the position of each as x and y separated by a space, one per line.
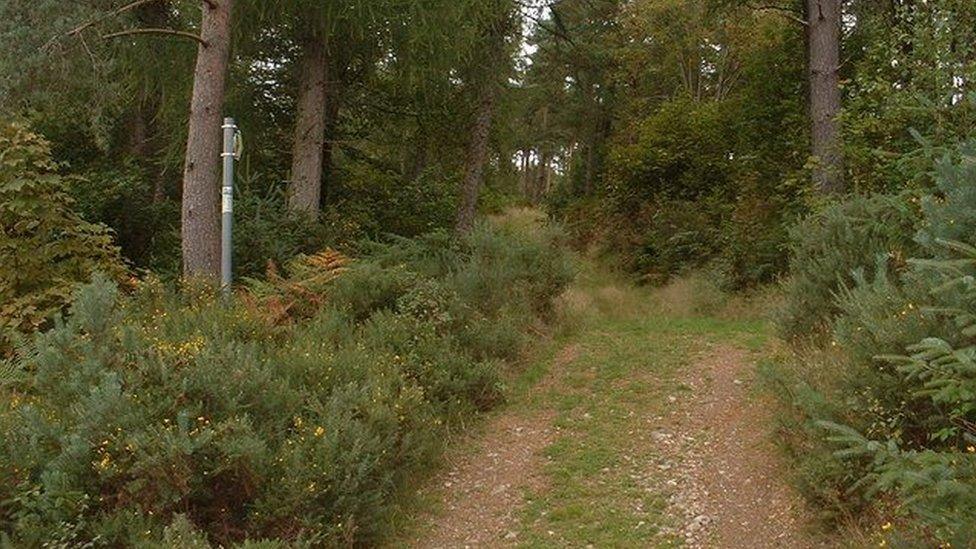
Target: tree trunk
308 152
590 168
420 158
477 156
200 227
474 170
543 176
825 97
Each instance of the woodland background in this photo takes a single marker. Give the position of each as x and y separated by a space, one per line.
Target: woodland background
823 148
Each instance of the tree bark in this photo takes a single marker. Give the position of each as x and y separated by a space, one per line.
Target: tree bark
200 227
590 168
488 82
539 188
477 156
824 18
308 153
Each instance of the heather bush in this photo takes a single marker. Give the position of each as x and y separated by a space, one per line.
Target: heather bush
170 417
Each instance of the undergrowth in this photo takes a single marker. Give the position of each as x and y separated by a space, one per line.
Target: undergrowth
882 407
297 412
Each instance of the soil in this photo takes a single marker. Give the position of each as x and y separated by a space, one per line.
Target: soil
482 490
728 488
725 481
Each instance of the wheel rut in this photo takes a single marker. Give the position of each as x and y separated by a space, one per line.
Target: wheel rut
728 488
482 491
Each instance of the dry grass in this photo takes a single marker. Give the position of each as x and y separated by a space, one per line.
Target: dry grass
520 218
698 294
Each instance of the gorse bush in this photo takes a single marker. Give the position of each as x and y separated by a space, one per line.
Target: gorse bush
46 248
167 417
830 248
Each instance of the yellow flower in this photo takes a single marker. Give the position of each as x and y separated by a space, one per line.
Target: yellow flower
319 431
886 526
971 449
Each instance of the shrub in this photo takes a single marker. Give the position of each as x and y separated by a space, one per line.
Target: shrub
681 151
388 202
898 414
829 247
174 418
948 211
46 248
676 236
146 227
754 239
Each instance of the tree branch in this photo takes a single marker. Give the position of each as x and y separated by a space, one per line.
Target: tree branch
169 32
785 12
81 28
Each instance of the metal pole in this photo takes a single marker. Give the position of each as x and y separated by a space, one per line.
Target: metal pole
227 207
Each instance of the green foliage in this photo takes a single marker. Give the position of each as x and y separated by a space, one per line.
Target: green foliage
46 248
702 162
677 236
899 415
666 190
753 242
173 418
680 151
949 216
830 247
908 67
145 227
365 203
266 231
389 203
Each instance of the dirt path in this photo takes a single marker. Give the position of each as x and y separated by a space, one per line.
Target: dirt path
645 432
483 488
729 487
482 491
